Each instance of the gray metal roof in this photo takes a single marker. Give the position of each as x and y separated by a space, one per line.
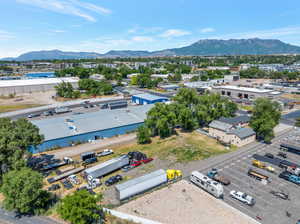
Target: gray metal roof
242 132
150 97
235 120
220 125
58 127
104 164
137 180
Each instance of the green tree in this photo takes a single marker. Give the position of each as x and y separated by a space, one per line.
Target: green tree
80 208
187 120
143 135
23 191
65 90
204 77
15 138
266 115
297 122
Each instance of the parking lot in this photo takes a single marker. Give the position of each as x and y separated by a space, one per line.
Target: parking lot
269 208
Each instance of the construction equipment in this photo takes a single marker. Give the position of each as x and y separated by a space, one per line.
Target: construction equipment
213 174
262 165
173 174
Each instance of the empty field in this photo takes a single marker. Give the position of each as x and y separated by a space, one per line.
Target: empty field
183 202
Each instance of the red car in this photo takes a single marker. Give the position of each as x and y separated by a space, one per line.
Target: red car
148 160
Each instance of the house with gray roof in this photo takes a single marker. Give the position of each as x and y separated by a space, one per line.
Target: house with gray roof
238 121
227 132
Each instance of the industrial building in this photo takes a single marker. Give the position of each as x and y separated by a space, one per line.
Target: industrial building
141 184
237 92
33 85
71 129
146 98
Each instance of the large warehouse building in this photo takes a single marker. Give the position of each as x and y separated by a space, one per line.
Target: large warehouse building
72 129
33 85
237 92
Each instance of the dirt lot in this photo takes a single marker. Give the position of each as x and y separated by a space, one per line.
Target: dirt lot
183 202
29 98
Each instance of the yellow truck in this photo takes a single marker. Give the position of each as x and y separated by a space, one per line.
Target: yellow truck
262 165
173 174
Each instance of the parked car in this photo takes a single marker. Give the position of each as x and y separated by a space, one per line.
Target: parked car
105 152
85 106
33 115
74 179
89 161
269 155
54 187
243 197
148 160
46 113
114 179
282 154
67 184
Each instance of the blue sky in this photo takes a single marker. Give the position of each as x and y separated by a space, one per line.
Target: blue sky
103 25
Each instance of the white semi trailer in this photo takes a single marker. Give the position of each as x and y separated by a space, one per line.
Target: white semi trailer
207 184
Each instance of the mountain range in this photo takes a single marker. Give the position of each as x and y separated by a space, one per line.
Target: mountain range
207 47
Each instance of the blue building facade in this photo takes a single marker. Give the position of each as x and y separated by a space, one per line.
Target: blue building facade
40 75
85 137
146 98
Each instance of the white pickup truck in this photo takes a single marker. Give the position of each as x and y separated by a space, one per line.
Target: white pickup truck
243 197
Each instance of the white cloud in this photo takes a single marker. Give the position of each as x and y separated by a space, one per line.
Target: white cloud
207 30
144 30
174 33
142 39
58 31
4 35
69 7
271 33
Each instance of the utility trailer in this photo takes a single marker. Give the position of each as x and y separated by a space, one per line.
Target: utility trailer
107 167
64 175
213 174
52 166
257 175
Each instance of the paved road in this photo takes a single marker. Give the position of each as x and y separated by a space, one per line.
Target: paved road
10 218
70 104
269 208
87 147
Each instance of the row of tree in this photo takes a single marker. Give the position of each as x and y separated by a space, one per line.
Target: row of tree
91 87
255 73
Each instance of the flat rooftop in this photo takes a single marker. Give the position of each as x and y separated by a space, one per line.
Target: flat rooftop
150 97
37 81
70 125
246 89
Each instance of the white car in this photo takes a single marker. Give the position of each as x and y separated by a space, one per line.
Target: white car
243 197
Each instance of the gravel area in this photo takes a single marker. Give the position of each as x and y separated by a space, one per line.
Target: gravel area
183 202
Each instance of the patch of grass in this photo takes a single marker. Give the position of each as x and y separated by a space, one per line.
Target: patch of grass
14 107
110 219
246 107
184 147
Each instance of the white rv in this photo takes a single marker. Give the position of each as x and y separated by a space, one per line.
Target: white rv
207 184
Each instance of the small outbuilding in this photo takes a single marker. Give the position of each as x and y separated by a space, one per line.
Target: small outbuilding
146 98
